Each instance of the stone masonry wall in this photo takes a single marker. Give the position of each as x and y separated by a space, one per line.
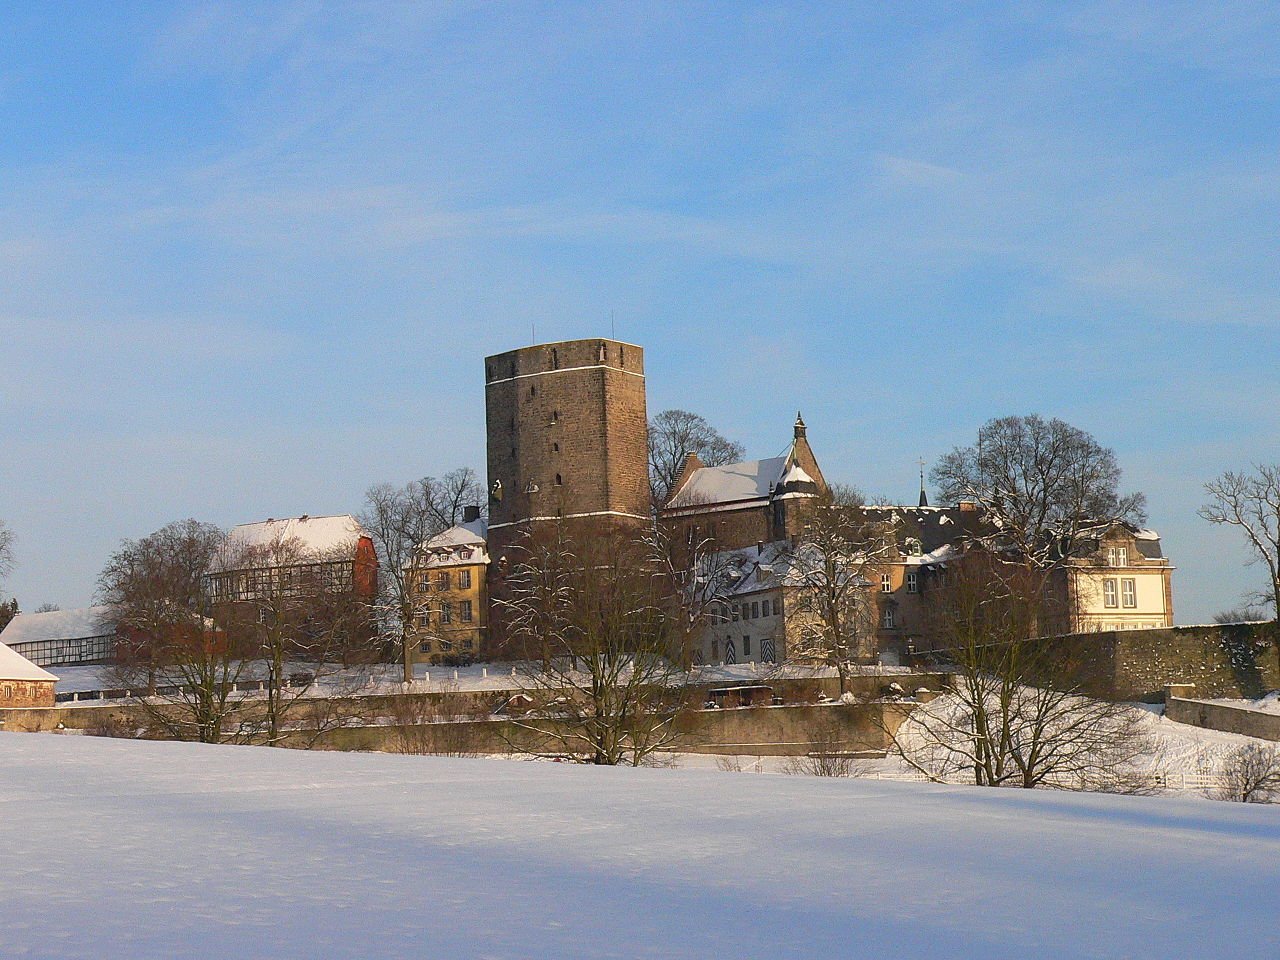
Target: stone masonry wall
568 418
1231 660
1221 716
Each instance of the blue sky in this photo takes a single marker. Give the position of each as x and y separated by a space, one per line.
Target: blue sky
252 256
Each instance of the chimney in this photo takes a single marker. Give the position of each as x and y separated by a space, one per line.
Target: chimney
759 547
799 427
968 506
470 514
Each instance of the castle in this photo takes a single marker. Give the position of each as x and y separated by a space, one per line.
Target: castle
567 439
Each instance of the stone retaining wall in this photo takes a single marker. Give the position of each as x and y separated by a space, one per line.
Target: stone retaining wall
1222 716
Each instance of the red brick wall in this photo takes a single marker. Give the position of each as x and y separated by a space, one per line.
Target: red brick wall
26 693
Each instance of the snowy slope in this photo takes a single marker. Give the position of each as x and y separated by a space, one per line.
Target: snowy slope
113 848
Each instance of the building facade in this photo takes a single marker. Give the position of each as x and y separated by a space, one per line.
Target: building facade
744 504
1125 583
276 558
567 436
448 591
22 683
85 635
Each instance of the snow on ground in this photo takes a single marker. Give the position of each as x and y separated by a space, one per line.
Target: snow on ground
1268 704
112 848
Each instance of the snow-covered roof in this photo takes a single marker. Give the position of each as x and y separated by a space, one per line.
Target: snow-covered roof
733 482
59 625
933 527
797 475
315 534
464 534
14 666
464 543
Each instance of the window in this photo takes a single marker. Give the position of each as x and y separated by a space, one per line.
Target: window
1128 592
1109 592
446 612
558 480
887 618
777 608
555 447
464 579
913 582
442 580
425 646
746 645
1117 556
886 583
555 416
555 359
715 650
755 610
735 613
424 584
466 644
424 617
533 391
464 611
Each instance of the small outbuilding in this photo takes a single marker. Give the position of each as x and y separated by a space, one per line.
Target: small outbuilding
22 683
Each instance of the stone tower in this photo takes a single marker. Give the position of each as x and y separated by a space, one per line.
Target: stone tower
567 435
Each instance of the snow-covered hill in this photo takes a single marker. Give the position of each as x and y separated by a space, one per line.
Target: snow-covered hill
114 848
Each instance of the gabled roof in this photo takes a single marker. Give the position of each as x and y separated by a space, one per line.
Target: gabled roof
751 482
59 625
731 483
315 534
14 666
464 543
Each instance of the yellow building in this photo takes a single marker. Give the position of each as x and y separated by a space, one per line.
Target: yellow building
1125 584
448 591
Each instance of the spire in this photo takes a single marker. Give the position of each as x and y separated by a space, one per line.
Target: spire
799 430
924 498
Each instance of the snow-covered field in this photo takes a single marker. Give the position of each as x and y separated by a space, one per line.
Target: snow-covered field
112 848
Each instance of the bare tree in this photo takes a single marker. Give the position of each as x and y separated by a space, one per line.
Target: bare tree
1250 774
400 519
829 754
1014 715
673 435
830 575
1240 615
168 643
305 626
591 607
6 551
1048 489
8 610
1251 502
